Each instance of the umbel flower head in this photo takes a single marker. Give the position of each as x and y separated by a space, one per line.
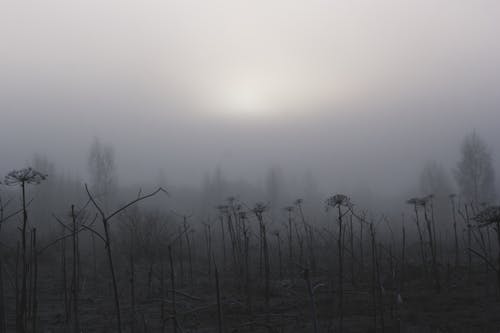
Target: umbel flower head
259 208
489 215
417 201
338 200
26 176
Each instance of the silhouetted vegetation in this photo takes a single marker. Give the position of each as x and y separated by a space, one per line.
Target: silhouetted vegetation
243 267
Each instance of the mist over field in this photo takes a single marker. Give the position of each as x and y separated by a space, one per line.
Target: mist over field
355 92
227 104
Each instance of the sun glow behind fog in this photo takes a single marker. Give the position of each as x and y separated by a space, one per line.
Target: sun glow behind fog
260 97
245 100
245 90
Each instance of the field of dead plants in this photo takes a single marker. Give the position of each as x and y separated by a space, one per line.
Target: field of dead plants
129 269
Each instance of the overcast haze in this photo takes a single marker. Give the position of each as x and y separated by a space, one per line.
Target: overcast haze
357 92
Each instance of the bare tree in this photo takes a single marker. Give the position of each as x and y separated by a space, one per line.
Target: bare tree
102 170
274 189
45 193
434 180
474 174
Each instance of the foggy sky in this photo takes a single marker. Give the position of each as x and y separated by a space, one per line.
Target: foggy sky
361 93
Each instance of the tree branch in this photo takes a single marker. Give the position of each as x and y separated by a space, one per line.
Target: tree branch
134 201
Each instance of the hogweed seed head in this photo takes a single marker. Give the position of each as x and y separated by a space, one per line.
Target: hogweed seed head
417 201
338 200
24 176
488 215
259 208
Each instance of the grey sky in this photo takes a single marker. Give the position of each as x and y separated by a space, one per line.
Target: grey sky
361 90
